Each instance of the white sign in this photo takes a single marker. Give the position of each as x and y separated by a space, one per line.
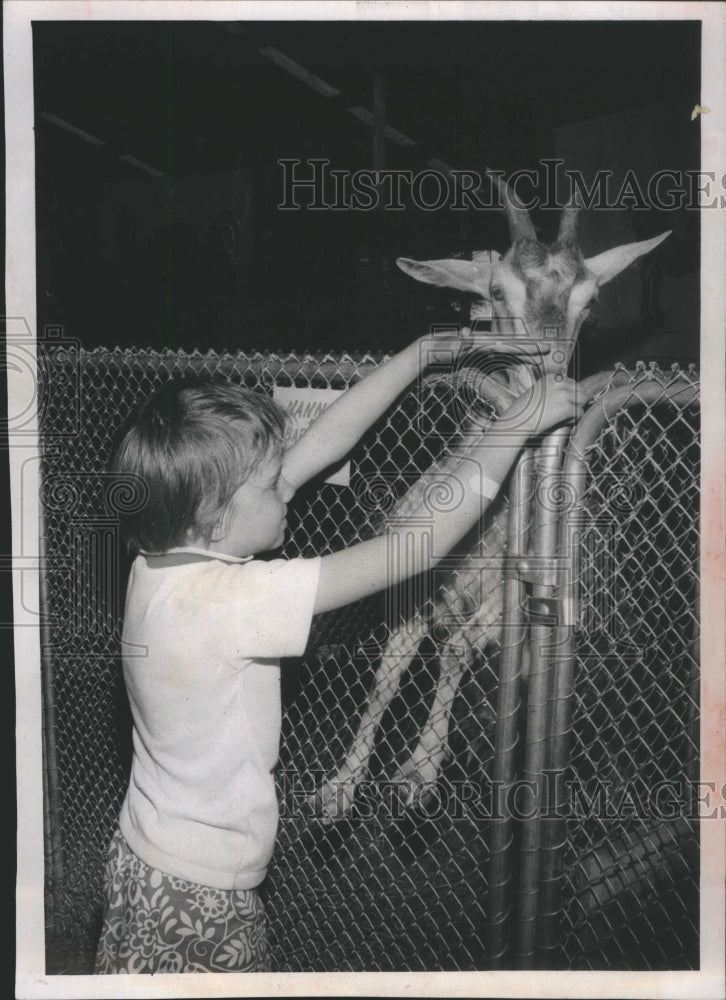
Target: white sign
303 405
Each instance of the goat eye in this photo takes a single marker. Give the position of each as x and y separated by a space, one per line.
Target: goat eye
497 293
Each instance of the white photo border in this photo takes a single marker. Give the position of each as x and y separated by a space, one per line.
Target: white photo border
31 980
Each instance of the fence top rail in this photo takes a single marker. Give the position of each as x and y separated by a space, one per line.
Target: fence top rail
644 387
323 362
603 382
617 386
272 363
681 388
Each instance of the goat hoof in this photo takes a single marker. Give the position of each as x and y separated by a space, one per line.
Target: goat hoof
332 801
478 754
412 786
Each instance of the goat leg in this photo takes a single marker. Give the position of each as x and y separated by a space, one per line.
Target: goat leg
424 765
335 796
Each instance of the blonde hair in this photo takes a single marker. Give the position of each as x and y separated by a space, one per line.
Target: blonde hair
193 444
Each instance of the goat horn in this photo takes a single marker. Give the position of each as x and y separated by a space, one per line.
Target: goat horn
568 224
520 224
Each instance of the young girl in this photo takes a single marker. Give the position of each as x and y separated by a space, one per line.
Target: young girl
205 624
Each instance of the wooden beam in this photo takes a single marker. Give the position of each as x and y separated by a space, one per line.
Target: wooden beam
379 121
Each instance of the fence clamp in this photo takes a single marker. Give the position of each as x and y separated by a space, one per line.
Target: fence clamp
536 570
546 611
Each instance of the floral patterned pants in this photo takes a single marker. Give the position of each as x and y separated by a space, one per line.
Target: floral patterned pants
155 922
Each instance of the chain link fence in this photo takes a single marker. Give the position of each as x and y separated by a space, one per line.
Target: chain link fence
388 886
623 874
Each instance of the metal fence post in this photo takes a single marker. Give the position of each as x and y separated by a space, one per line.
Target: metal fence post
499 905
538 570
558 726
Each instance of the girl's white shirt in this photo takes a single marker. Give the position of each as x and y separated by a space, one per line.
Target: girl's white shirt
202 642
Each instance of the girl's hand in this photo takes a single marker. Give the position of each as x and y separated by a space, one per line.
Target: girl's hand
552 400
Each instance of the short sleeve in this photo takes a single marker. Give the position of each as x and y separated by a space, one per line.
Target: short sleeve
264 609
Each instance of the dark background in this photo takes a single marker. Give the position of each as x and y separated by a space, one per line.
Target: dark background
130 258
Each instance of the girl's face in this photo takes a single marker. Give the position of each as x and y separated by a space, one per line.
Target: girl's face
255 518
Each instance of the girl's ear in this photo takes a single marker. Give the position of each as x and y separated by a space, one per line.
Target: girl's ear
201 541
219 530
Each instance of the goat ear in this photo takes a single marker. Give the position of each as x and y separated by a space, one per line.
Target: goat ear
610 263
466 275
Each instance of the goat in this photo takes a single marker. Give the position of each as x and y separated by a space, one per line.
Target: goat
541 294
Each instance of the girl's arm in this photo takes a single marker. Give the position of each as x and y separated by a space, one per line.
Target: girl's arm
420 535
332 435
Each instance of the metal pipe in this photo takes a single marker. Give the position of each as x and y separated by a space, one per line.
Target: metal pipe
540 570
506 731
